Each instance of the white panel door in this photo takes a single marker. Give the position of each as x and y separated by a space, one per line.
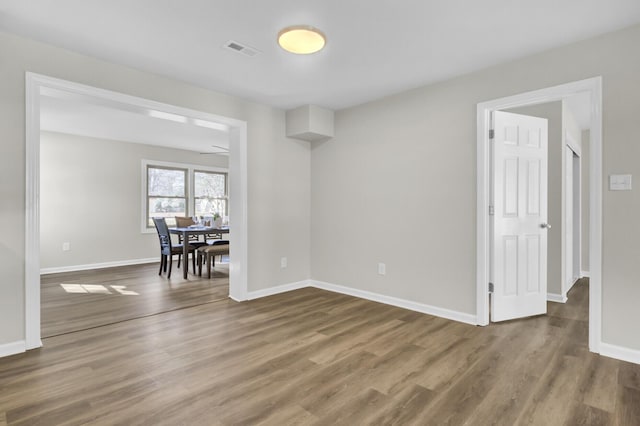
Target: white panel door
519 244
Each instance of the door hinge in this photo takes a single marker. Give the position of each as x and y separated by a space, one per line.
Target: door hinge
490 287
492 134
491 211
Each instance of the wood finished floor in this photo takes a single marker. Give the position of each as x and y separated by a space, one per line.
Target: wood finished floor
311 357
64 312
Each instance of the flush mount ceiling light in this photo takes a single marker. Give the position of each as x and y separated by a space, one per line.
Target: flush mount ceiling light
301 39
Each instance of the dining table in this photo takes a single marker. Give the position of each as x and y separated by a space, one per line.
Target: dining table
194 230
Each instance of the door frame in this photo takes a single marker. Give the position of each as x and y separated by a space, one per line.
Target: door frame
238 266
593 86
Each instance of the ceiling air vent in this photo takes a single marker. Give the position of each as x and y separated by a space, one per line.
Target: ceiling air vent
241 48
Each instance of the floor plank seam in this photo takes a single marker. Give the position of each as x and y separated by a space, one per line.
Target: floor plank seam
137 318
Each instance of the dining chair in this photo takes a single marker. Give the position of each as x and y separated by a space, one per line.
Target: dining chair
207 254
168 249
213 237
194 240
184 222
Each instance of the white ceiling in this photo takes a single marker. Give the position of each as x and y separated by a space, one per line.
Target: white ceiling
374 48
88 116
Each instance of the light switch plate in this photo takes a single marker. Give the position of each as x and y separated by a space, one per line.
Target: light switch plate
620 182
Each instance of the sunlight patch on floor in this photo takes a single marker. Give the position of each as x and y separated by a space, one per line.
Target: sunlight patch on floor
97 289
122 290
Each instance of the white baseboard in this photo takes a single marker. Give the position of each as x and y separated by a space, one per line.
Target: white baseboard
13 348
375 297
572 284
35 344
277 290
558 298
401 303
86 267
584 274
620 352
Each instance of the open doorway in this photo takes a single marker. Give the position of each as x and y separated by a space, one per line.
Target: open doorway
36 86
592 89
566 119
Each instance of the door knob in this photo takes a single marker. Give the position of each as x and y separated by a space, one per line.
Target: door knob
545 225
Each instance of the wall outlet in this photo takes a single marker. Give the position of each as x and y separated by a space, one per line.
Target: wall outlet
283 262
66 246
382 269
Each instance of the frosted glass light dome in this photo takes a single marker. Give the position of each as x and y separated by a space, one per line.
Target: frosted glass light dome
301 39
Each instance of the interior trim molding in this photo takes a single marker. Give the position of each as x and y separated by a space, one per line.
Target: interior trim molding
73 268
620 352
557 298
277 289
584 274
401 303
13 348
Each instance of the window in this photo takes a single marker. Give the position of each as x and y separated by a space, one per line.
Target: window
166 193
210 193
172 189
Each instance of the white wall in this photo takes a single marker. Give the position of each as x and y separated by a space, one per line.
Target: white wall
90 196
397 183
278 167
571 128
